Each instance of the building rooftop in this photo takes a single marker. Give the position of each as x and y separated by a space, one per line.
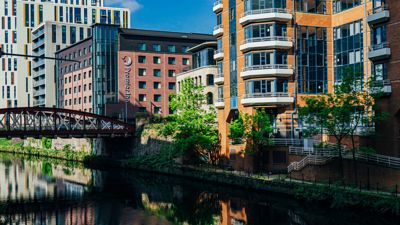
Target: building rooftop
166 34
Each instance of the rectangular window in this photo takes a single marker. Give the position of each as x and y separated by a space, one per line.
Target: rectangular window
156 47
64 34
142 46
171 61
185 61
142 97
142 59
157 98
72 35
142 84
81 33
171 85
156 60
157 73
171 48
157 85
171 73
54 33
142 72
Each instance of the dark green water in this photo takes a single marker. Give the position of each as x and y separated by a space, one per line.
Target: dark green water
38 191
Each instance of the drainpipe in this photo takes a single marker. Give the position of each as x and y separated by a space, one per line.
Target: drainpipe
295 69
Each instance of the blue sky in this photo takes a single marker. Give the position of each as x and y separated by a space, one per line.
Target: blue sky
170 15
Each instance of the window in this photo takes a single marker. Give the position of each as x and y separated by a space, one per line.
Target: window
157 110
210 79
142 59
185 49
142 46
171 73
157 85
171 85
72 35
157 98
156 60
171 61
142 84
64 34
142 72
171 48
53 33
311 6
142 97
210 98
342 5
185 61
156 47
157 73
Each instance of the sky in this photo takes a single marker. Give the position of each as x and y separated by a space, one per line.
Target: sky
194 16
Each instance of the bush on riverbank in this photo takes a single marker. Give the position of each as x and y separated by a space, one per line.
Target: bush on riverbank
19 148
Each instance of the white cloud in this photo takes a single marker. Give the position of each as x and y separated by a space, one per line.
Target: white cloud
133 5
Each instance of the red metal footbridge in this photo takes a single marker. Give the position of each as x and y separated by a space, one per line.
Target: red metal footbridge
40 122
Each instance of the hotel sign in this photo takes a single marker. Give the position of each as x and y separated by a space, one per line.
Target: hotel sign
127 73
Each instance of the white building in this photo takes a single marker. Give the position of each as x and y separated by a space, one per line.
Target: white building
32 34
203 71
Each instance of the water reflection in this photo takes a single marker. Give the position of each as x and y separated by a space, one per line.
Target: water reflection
51 192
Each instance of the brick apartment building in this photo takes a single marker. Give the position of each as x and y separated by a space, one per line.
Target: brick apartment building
274 53
131 71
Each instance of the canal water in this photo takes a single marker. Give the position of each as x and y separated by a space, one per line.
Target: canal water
45 191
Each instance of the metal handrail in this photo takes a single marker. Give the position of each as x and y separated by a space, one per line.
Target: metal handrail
218 51
271 38
218 27
220 75
378 9
267 67
381 83
267 95
379 46
217 2
220 100
269 10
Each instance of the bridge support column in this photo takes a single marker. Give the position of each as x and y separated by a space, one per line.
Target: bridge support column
114 147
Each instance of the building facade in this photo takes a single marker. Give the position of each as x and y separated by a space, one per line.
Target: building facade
75 79
133 71
274 53
19 35
203 71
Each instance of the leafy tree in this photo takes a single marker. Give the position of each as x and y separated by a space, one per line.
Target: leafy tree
254 129
194 127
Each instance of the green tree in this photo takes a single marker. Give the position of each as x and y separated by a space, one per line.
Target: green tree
254 129
194 126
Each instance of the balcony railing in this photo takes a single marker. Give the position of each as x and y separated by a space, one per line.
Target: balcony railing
268 67
220 100
379 46
378 9
217 2
262 39
218 51
263 11
267 95
218 27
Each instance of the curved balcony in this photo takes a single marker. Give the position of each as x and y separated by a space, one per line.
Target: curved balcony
259 99
261 43
219 79
274 70
379 51
218 30
220 103
218 6
266 15
219 54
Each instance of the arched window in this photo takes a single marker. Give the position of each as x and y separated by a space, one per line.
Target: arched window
210 98
210 79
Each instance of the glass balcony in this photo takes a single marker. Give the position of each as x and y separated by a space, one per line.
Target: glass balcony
273 70
219 54
220 103
218 30
218 6
219 79
379 51
383 87
266 15
378 15
264 43
272 98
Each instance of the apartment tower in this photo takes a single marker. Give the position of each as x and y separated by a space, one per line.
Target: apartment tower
26 29
273 53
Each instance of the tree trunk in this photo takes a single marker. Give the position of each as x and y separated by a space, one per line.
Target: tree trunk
339 146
